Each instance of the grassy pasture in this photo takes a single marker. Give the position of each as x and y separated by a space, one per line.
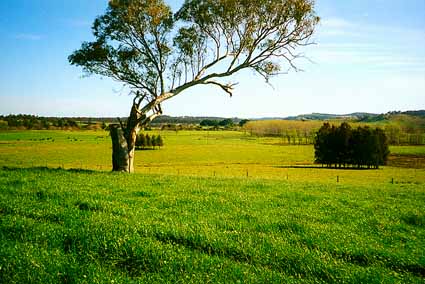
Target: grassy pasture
61 226
191 153
192 215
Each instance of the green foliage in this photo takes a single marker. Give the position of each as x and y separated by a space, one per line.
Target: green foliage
153 141
148 141
159 141
243 122
141 140
209 122
226 122
142 44
342 146
250 27
128 22
188 41
60 226
145 141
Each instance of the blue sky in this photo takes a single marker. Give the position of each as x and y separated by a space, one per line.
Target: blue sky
369 56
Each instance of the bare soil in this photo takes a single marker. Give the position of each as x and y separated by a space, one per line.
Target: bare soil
407 161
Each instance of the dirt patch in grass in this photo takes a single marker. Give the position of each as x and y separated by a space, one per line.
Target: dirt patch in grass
407 161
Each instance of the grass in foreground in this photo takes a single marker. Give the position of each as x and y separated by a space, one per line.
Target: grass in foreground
88 227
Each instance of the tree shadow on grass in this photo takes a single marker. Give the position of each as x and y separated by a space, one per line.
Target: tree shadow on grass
72 170
324 168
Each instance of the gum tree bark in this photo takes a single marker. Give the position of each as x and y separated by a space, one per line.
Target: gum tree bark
124 138
120 151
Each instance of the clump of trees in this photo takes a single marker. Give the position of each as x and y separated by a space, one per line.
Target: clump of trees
343 146
144 141
226 123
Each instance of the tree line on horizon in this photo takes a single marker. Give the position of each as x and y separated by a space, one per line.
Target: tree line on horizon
33 122
344 146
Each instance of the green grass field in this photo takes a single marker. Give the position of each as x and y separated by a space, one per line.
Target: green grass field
209 207
190 153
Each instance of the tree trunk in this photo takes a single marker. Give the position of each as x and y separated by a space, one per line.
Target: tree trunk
124 136
124 141
121 159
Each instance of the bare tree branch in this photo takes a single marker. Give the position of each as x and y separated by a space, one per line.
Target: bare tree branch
228 88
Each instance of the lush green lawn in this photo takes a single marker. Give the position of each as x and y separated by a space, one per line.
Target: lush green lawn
60 226
214 207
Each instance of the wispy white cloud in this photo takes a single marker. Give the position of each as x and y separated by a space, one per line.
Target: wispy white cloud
367 59
348 45
25 36
339 27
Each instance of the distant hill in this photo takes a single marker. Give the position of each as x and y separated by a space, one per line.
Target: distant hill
165 119
356 116
326 116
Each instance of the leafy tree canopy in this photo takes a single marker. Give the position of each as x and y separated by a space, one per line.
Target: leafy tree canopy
144 45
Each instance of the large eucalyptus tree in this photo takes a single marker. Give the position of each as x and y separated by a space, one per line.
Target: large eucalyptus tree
158 54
